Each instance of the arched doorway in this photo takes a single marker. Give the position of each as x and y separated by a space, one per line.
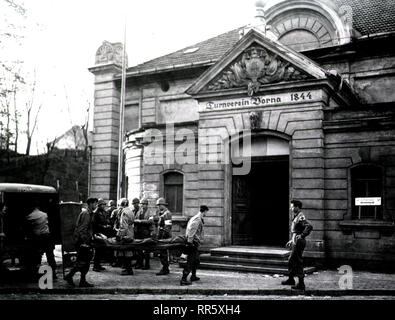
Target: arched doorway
260 199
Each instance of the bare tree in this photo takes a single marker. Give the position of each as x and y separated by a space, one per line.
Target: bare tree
12 30
17 115
85 128
31 126
32 114
7 98
16 6
5 115
12 22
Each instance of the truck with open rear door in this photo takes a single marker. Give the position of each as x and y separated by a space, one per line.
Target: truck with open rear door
16 251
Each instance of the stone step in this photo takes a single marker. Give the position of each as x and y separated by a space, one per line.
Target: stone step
245 268
251 252
261 261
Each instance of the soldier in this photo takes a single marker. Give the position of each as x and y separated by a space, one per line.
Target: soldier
115 220
143 229
164 232
194 237
136 205
110 207
135 210
126 234
101 224
3 212
38 230
83 235
300 229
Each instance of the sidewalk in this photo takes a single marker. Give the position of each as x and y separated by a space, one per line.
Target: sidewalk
320 283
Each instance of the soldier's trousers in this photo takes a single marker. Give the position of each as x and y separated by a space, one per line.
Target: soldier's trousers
143 256
84 257
164 259
295 260
45 243
98 257
193 261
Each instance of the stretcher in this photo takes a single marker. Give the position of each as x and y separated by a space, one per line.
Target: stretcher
149 244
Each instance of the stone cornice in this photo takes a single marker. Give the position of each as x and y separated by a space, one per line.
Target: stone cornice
166 69
269 89
105 68
360 124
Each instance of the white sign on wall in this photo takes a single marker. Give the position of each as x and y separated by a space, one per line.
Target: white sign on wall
368 201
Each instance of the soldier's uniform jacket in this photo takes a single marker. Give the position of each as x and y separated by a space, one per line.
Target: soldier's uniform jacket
126 225
38 222
101 222
300 226
115 218
83 231
194 231
2 234
110 210
164 224
144 228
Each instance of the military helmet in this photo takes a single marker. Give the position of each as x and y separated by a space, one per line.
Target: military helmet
101 201
123 202
135 200
91 200
161 201
144 200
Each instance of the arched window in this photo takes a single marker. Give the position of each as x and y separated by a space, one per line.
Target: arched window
309 24
366 182
173 183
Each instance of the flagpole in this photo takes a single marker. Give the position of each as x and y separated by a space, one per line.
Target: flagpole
121 118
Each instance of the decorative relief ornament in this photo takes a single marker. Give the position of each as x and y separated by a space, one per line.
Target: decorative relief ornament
255 120
110 53
254 67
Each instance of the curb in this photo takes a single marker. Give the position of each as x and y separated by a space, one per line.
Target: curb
191 291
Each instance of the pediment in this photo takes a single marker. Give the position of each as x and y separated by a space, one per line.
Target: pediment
253 62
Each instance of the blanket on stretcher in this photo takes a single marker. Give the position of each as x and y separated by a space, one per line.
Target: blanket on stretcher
176 243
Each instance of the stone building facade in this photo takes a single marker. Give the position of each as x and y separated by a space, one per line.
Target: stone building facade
299 104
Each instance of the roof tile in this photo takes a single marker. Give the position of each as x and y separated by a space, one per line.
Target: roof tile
369 17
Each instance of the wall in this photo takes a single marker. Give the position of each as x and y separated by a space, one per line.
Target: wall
354 137
105 137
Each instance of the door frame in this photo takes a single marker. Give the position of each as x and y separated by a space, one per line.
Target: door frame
227 217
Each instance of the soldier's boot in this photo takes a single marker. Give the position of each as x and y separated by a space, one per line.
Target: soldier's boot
54 276
84 283
194 277
117 262
98 268
128 271
164 271
146 265
184 281
69 278
139 264
300 285
289 282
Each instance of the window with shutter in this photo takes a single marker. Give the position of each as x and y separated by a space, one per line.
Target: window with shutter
173 191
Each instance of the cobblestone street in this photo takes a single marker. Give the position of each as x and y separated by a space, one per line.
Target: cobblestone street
110 284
